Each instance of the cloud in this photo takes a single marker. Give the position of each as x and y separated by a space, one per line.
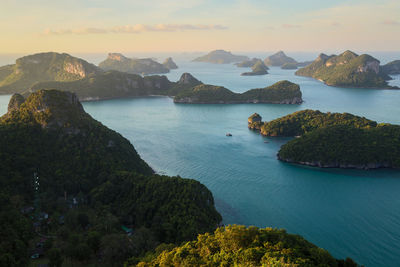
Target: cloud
291 26
391 22
138 28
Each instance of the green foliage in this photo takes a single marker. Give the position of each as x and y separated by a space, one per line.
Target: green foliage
220 57
55 257
42 67
280 92
304 121
15 233
240 246
175 209
347 69
346 146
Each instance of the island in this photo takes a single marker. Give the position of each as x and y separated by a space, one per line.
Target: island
170 64
289 66
346 146
258 68
304 121
249 63
283 92
220 57
28 70
333 140
392 68
71 188
347 70
278 59
144 66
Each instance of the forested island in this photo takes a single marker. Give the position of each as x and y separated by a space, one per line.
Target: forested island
333 140
118 62
348 70
283 92
248 63
220 57
75 192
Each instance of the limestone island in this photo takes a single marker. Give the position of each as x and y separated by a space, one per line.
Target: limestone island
347 70
170 64
392 68
28 70
283 92
220 57
289 66
258 68
278 59
144 66
333 140
248 63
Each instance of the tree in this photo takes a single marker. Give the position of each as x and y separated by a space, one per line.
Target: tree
55 257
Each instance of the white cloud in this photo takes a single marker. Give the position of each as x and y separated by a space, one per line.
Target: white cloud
137 28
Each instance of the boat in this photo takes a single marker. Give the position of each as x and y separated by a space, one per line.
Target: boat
228 134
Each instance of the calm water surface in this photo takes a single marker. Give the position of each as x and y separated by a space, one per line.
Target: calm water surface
348 212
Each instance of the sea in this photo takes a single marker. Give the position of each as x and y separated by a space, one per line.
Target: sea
350 213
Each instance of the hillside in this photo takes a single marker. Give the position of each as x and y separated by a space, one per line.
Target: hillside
283 92
278 59
42 67
249 63
346 146
304 121
347 69
220 57
119 62
236 245
92 184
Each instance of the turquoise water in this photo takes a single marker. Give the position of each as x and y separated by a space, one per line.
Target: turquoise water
348 212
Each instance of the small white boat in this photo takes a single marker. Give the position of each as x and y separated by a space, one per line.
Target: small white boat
228 134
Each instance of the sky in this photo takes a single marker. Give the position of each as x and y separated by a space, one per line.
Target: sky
97 26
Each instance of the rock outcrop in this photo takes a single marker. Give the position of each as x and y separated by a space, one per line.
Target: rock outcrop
170 64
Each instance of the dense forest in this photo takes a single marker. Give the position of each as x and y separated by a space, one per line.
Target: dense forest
304 121
240 246
346 146
73 190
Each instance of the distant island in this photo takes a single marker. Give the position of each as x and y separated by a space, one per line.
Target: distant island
249 63
347 70
42 67
258 68
278 59
289 66
392 68
118 62
333 140
220 57
170 64
283 92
